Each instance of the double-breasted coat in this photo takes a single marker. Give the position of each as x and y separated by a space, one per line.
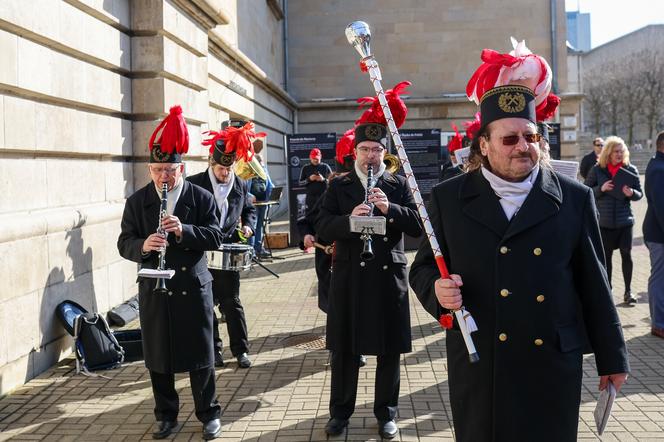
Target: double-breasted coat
176 327
368 310
530 284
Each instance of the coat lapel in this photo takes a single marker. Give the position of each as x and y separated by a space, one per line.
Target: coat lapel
481 204
353 188
185 202
543 202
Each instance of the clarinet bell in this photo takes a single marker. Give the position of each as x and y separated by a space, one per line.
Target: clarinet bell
160 288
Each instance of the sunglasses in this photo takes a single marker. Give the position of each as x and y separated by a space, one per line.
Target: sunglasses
599 145
511 140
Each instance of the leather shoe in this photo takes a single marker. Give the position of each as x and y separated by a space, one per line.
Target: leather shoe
243 361
164 429
218 359
387 429
656 331
363 360
336 426
212 429
629 298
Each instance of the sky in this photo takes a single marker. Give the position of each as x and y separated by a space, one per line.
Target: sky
610 19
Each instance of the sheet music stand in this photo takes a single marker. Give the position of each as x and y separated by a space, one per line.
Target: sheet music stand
275 196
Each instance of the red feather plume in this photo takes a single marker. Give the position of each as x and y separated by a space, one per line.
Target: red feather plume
375 112
473 126
236 139
174 136
346 146
547 108
456 142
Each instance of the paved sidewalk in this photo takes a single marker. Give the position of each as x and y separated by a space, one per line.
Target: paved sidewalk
284 395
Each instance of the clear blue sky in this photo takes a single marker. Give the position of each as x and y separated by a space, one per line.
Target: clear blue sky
610 19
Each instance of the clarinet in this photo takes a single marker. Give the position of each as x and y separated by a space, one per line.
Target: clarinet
160 288
367 252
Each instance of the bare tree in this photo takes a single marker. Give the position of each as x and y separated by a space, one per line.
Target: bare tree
652 79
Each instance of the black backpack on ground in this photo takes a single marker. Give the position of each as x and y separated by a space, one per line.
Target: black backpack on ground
96 346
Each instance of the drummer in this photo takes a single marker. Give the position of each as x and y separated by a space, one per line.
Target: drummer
238 222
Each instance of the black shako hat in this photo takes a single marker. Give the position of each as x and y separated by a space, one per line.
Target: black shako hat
371 132
510 101
544 130
218 154
158 156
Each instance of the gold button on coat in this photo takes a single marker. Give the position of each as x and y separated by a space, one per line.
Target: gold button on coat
184 269
540 298
385 238
363 264
504 250
504 293
385 267
502 337
537 251
184 292
538 342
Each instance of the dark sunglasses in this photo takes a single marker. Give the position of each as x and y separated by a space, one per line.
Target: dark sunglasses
511 140
599 145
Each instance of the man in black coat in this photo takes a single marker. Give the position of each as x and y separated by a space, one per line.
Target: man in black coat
523 248
238 217
590 159
314 177
368 310
176 325
653 235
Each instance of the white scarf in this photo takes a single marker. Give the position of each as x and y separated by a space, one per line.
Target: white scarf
363 176
221 191
512 195
173 195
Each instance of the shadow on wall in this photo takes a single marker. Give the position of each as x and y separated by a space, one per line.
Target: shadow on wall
75 284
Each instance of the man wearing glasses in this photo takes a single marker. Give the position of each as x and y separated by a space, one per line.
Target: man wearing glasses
176 325
368 310
525 255
590 159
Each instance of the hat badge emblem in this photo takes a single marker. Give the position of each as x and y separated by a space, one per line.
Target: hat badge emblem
372 132
512 103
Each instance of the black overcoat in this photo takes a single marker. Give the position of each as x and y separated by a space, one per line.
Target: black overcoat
368 310
530 285
240 207
177 327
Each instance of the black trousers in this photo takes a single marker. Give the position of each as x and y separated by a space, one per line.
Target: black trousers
167 402
345 369
226 294
621 239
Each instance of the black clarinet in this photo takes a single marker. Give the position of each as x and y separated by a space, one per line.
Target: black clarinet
367 252
160 288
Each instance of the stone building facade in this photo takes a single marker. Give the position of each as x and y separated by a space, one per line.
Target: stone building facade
84 82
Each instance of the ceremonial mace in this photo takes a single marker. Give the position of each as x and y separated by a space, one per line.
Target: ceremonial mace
359 36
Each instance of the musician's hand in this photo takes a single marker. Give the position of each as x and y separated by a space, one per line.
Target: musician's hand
315 177
246 231
616 379
627 191
448 292
379 199
308 241
607 186
172 224
361 210
154 243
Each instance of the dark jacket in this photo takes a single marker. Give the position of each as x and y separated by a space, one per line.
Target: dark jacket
587 163
176 328
653 224
239 205
450 171
533 279
613 213
368 310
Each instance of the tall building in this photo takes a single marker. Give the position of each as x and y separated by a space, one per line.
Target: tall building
578 30
84 82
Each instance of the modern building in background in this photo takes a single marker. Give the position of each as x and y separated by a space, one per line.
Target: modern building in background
84 82
578 30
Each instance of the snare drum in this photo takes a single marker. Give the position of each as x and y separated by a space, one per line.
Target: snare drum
233 257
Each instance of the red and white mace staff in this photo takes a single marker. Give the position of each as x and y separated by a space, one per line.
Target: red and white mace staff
359 36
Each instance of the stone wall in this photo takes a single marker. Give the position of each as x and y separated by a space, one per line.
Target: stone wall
82 85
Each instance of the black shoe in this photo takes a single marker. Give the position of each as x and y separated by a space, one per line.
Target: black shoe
387 429
336 426
243 361
363 360
218 359
164 429
212 429
629 298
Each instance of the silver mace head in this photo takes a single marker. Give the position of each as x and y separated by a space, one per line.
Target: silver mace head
359 36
